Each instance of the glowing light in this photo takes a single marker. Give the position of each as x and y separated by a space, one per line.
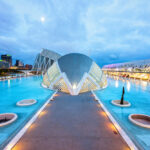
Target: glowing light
42 19
128 85
48 105
132 148
116 84
9 147
103 113
112 127
102 105
56 95
117 126
74 86
144 85
43 113
99 105
27 125
32 126
8 83
107 113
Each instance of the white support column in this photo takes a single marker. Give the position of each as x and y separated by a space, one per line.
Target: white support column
46 63
81 83
35 62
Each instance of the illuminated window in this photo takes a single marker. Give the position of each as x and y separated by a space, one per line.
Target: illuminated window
88 85
45 80
53 73
95 73
61 86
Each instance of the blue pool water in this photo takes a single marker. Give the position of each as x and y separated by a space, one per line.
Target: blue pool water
138 94
12 91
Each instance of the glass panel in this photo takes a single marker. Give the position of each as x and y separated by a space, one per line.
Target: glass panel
97 75
53 73
61 86
88 85
45 80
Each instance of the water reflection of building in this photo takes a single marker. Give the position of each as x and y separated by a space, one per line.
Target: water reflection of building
129 82
116 84
8 83
128 85
144 85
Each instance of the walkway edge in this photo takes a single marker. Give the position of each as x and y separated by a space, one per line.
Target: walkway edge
17 137
118 127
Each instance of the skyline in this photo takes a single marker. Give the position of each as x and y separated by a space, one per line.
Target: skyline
109 32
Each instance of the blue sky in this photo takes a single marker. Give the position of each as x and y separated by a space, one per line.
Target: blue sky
109 31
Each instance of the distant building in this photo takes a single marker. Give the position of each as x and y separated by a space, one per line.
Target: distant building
44 60
19 63
135 66
28 67
4 64
7 58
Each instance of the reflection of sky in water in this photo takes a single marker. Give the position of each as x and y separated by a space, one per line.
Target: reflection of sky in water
12 91
137 93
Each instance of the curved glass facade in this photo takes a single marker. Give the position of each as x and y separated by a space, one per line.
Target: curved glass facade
69 76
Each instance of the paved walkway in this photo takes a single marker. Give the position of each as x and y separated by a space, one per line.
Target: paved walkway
72 123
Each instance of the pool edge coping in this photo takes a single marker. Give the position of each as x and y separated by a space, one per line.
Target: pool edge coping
23 130
123 134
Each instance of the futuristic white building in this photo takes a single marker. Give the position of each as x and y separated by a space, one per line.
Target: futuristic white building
74 73
44 60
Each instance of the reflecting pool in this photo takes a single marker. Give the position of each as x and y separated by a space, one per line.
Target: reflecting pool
12 91
138 94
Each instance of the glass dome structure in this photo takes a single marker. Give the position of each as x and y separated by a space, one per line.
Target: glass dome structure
74 73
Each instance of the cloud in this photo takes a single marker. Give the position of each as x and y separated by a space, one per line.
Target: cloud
112 56
108 31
